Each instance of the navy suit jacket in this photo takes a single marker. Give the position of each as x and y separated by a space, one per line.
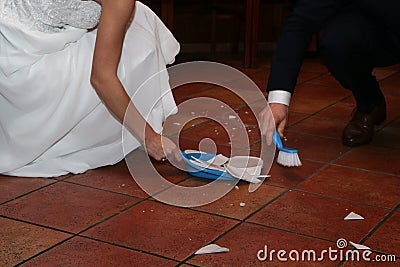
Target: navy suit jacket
309 17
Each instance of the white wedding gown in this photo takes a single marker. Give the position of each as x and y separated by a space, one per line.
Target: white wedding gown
51 120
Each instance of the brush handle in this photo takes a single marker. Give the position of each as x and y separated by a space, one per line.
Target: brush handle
277 140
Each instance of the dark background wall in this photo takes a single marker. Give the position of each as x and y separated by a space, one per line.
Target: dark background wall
193 23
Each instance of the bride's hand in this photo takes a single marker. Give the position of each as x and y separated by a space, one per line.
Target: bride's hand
160 147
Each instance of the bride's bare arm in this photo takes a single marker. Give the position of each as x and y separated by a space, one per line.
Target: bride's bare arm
114 19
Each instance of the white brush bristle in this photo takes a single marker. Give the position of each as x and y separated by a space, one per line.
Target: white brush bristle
288 159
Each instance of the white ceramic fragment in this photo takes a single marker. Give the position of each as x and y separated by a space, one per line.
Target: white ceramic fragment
359 246
212 248
353 216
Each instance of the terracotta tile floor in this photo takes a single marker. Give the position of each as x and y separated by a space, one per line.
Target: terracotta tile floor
104 218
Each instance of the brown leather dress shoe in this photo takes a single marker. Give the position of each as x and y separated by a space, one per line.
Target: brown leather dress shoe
360 129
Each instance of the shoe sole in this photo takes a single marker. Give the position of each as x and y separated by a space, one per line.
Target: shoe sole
380 122
352 144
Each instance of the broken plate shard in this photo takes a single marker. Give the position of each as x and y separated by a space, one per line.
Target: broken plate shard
212 248
358 246
353 216
218 160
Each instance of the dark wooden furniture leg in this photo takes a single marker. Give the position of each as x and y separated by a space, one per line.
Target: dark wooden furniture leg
167 13
248 33
254 33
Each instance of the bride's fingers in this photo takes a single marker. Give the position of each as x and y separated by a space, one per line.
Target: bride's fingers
174 153
178 155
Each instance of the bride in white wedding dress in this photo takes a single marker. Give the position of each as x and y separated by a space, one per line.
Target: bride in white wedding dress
67 69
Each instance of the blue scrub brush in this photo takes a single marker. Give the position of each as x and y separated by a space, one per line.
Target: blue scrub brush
287 157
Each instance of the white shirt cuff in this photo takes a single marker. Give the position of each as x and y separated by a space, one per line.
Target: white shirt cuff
279 97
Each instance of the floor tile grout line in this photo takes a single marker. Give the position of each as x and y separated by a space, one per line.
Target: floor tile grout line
323 167
121 193
315 161
266 204
102 189
93 239
32 191
36 224
312 135
44 251
324 85
215 239
225 84
290 231
221 215
41 226
67 176
314 78
204 212
141 200
395 73
152 197
318 111
385 146
340 199
126 247
281 194
365 170
386 124
275 185
379 224
190 264
122 211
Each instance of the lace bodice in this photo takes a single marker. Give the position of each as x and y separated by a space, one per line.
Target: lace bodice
51 15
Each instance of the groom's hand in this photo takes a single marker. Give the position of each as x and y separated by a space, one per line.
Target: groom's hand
274 116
